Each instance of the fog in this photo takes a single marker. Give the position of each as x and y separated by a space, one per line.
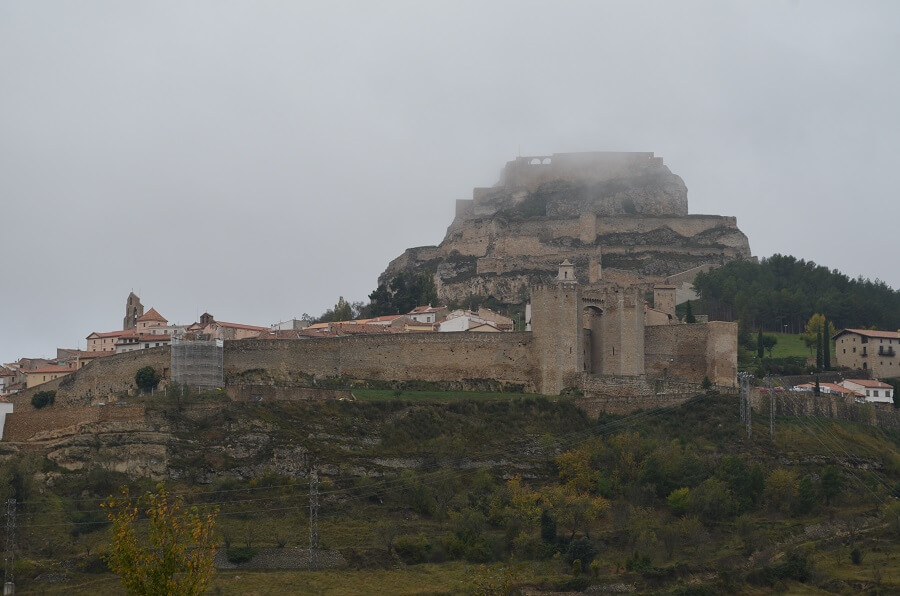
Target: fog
259 159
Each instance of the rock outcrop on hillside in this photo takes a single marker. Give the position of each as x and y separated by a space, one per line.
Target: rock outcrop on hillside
624 213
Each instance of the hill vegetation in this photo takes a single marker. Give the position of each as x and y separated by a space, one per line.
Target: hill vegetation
781 293
482 494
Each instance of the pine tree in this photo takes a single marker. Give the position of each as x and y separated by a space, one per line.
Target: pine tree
818 389
759 344
826 346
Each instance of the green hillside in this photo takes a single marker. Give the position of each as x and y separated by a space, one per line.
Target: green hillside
480 494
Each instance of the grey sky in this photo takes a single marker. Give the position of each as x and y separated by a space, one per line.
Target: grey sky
259 159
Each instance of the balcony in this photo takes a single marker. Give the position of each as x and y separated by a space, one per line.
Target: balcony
888 352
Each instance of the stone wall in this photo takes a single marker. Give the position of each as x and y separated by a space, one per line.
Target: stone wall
506 358
807 405
692 352
558 336
617 394
100 379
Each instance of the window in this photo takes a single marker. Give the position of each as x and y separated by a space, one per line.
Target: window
854 350
868 393
876 393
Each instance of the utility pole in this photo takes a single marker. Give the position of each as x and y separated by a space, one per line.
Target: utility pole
313 519
748 406
9 583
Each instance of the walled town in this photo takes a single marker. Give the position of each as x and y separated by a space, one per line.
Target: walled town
565 293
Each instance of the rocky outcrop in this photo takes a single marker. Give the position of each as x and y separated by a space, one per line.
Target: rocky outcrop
626 212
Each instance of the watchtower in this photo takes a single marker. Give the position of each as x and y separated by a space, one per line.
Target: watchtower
557 331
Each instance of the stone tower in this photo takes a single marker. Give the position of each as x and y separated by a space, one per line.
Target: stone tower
557 332
133 310
614 320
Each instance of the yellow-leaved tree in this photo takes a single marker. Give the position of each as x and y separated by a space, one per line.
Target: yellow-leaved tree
173 554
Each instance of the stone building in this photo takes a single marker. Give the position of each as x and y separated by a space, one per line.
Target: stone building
869 349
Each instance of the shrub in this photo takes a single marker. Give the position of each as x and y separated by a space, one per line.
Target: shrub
240 554
43 398
581 549
856 556
412 549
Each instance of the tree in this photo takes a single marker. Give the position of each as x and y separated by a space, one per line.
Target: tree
174 555
342 310
819 352
689 313
769 343
826 357
43 398
832 483
818 389
147 378
759 344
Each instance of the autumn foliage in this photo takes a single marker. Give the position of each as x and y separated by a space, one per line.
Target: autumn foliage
173 554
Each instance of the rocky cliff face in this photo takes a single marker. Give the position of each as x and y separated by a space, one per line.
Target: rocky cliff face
626 212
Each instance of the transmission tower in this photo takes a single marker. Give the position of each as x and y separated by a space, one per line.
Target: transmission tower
313 519
9 583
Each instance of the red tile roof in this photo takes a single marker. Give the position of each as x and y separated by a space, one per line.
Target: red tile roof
869 383
872 333
152 315
50 368
108 333
240 326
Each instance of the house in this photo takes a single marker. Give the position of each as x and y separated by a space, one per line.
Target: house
826 389
428 314
875 392
290 325
868 349
45 374
467 320
133 340
7 379
222 330
103 342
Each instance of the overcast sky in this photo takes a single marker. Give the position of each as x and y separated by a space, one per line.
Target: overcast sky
258 159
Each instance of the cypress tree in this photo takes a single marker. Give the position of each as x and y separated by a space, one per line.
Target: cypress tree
759 344
689 313
818 389
826 348
819 351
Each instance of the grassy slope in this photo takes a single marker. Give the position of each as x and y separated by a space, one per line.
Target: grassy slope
426 425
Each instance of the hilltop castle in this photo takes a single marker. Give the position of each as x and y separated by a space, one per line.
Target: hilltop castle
626 213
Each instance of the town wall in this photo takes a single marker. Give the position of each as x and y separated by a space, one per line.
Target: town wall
102 378
691 352
622 394
505 358
840 407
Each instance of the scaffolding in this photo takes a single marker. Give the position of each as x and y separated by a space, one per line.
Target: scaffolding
198 364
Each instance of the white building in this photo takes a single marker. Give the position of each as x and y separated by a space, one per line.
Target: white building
428 314
5 408
874 391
